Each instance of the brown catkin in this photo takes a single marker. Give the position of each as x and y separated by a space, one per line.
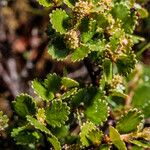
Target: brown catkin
82 9
72 39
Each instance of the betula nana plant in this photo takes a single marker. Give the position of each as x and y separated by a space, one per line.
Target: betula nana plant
100 115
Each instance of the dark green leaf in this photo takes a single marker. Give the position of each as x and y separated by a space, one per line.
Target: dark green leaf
80 53
24 105
38 125
46 3
97 112
59 23
141 143
41 90
130 121
57 113
52 82
116 139
85 130
69 83
55 143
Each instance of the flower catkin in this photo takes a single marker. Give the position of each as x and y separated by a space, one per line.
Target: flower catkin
82 9
72 39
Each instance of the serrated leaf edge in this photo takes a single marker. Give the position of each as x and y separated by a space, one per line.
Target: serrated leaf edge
36 93
50 16
140 116
71 94
66 117
135 17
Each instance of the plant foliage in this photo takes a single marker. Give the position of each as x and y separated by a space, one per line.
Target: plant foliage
72 115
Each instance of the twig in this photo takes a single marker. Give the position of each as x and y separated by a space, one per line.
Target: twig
13 87
139 53
90 71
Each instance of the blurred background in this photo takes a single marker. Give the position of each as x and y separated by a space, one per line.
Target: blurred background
23 50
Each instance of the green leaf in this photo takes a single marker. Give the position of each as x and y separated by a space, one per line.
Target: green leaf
126 63
57 51
59 24
85 96
16 131
97 45
57 113
48 88
135 147
118 93
130 23
115 39
69 83
136 39
85 130
104 147
24 136
80 53
97 112
107 70
41 90
122 11
38 125
53 140
95 137
55 143
116 139
79 97
52 82
61 132
24 105
50 3
46 3
68 94
27 137
130 121
141 143
3 121
86 36
87 29
102 20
